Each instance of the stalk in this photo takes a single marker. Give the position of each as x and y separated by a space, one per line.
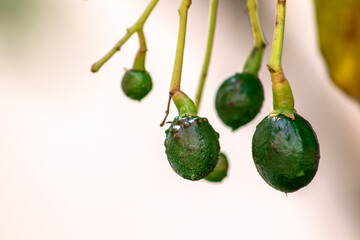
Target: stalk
209 47
138 26
183 103
283 100
139 63
253 61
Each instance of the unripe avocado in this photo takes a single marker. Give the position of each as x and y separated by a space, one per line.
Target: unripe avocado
285 152
136 84
220 171
192 147
239 99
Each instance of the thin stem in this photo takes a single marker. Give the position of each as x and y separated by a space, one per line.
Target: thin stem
129 32
209 47
176 76
283 100
184 104
278 40
139 63
259 39
253 61
166 112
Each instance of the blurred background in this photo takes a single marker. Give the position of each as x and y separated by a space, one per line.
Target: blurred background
78 160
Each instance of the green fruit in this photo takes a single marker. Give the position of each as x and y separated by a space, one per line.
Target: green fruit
220 171
192 147
239 99
285 152
136 84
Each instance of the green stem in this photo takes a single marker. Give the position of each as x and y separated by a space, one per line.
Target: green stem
178 63
183 103
253 61
139 63
209 47
283 100
129 32
278 40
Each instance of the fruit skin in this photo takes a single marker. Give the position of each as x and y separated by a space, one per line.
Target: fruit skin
239 99
220 171
192 147
136 84
285 152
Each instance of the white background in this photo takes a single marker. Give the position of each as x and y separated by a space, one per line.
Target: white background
79 161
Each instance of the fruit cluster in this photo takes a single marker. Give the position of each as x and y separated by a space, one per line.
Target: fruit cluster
284 146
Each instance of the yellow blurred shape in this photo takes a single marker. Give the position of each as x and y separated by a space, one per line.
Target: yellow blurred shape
339 35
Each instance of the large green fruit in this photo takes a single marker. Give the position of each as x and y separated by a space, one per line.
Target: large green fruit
136 84
220 171
239 99
192 147
285 152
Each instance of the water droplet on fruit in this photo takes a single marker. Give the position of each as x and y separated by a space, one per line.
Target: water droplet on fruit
176 128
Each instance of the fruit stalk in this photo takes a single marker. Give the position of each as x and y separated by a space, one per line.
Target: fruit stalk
253 61
283 101
209 46
139 63
129 32
183 103
177 70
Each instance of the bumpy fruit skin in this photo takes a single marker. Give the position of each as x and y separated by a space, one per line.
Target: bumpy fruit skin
192 147
220 171
136 84
285 152
239 99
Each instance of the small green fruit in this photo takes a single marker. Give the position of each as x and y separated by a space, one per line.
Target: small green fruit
220 171
285 152
192 147
136 84
239 99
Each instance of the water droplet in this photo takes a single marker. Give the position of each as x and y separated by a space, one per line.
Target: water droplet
175 128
